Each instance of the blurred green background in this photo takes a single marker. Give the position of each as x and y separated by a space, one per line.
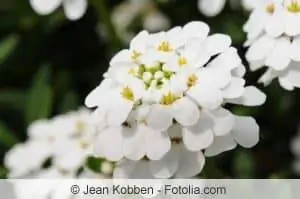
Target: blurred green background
48 64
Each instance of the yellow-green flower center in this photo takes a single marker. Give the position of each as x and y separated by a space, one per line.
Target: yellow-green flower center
270 8
191 81
169 99
127 94
294 7
165 47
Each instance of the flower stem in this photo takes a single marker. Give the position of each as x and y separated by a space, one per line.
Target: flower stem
104 16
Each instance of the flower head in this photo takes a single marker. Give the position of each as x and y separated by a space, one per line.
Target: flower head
178 83
273 32
74 9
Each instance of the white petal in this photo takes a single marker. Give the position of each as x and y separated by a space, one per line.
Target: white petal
260 48
196 30
227 60
252 97
293 24
134 143
235 89
157 143
185 111
295 49
255 65
268 77
74 9
124 56
118 111
217 43
96 97
206 96
109 144
223 121
279 57
139 42
220 144
199 136
124 169
190 163
291 74
211 8
286 84
159 117
239 71
246 131
276 24
45 7
168 165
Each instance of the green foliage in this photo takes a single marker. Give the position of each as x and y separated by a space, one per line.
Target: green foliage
40 96
7 45
7 137
244 164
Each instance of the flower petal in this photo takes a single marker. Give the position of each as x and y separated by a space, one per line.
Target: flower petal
134 140
211 8
45 7
260 49
279 58
109 144
295 49
227 60
220 145
276 24
185 111
235 89
159 117
246 131
223 121
206 96
168 165
74 9
217 43
195 30
252 97
190 163
162 143
199 136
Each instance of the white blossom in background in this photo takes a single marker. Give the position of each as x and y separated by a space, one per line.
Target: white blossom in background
295 148
66 140
128 11
74 9
273 37
212 8
162 103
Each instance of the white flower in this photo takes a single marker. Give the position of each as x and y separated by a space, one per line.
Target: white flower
295 148
25 158
273 32
64 142
74 9
124 14
211 8
165 83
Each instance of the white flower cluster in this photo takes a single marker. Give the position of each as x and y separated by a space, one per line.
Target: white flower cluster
295 148
273 32
161 103
56 148
211 8
74 9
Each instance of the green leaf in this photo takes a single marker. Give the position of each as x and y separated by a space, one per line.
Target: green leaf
94 164
13 98
244 164
7 137
3 173
7 45
69 102
40 96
